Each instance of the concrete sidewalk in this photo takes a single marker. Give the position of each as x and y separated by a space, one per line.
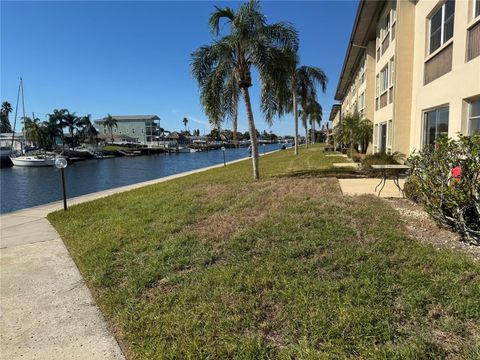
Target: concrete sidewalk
353 187
46 310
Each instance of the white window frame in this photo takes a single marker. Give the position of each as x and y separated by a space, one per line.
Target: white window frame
384 81
389 136
392 71
470 117
442 28
424 114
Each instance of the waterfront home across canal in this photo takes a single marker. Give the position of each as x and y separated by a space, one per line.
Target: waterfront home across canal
142 128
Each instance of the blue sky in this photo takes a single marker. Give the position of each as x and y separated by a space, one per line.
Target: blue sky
133 57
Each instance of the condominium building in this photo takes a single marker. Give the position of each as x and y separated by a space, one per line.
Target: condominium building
413 69
140 128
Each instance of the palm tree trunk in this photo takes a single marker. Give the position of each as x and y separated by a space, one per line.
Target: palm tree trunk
253 132
235 120
313 131
306 132
295 117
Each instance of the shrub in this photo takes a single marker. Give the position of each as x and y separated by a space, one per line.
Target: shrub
411 189
448 179
380 159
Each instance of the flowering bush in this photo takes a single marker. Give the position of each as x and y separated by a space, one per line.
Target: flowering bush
447 176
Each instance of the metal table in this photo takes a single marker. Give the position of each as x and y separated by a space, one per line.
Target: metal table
398 169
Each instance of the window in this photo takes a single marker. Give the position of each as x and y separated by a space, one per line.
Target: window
133 131
384 79
441 25
474 117
377 86
435 125
361 104
392 71
389 136
476 8
385 27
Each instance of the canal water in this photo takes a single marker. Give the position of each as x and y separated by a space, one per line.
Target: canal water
23 187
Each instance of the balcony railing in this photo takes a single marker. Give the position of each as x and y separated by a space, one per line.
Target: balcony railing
473 47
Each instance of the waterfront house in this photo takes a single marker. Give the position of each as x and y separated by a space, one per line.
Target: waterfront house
413 68
137 128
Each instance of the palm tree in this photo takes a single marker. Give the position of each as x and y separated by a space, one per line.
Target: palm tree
250 43
110 122
51 130
354 131
57 117
316 114
34 131
303 81
185 122
5 122
88 130
73 123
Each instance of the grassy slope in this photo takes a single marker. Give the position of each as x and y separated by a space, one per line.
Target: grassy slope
216 266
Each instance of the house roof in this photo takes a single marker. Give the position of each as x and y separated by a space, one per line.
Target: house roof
128 118
364 30
335 109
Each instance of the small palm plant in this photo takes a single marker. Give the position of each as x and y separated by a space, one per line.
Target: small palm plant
226 66
110 122
354 131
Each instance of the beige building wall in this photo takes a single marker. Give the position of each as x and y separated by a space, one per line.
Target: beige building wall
453 89
403 76
383 115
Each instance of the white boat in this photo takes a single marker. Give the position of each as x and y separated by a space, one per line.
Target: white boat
33 160
185 150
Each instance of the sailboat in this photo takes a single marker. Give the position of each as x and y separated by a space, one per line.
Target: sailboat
28 160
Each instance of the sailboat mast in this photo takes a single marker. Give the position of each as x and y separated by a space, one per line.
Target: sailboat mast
15 120
23 108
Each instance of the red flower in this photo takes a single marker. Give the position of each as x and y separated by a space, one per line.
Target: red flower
456 172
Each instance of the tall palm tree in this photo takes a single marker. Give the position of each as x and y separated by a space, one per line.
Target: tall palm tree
185 122
5 122
251 42
316 114
110 122
303 81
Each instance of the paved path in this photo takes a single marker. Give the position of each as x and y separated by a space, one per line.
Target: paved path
367 186
46 310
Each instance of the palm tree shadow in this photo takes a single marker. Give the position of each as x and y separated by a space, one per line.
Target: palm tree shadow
339 173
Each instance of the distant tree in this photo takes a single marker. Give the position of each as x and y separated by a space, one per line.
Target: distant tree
88 130
57 117
214 135
302 84
185 122
73 123
5 122
110 122
51 130
34 131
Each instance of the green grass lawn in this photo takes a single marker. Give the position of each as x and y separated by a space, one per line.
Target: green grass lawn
217 266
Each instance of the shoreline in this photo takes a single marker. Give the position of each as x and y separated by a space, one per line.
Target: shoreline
58 205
